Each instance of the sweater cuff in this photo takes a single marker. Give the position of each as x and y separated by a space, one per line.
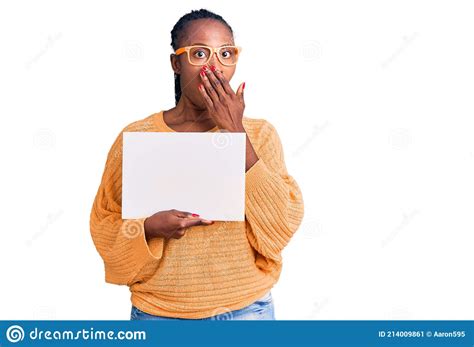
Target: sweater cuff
145 251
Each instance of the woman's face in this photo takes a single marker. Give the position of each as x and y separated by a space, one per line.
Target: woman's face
208 32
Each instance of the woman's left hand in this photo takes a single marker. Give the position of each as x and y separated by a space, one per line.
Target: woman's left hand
224 105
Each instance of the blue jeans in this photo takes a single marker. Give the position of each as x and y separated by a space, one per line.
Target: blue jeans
262 309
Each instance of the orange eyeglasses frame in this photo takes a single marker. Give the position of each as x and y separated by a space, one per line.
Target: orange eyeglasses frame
213 50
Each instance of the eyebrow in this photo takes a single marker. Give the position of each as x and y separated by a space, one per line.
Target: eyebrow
204 44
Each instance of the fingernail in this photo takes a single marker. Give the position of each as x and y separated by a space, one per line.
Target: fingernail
204 67
195 215
243 86
203 73
213 68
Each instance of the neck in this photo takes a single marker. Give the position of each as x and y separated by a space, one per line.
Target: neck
188 112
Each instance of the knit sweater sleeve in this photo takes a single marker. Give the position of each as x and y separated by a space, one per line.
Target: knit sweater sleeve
121 243
274 205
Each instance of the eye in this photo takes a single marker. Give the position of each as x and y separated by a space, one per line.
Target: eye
200 54
226 54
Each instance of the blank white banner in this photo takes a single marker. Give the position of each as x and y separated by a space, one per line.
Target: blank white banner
202 173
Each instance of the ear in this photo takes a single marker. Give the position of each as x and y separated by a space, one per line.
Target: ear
175 64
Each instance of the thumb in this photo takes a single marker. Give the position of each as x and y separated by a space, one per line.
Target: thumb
198 221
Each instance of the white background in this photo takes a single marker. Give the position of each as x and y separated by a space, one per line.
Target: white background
372 101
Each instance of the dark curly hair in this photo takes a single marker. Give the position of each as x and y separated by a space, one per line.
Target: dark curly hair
179 27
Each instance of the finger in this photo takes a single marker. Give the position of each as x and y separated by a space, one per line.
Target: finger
207 222
224 82
240 93
182 214
186 223
207 99
215 82
209 88
193 216
185 214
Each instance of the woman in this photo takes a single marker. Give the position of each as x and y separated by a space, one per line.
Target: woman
176 264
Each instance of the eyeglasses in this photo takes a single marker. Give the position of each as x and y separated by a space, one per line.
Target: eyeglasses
200 55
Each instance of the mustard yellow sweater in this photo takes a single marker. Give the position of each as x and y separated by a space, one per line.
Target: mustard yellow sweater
214 268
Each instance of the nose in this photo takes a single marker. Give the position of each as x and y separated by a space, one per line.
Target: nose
215 61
